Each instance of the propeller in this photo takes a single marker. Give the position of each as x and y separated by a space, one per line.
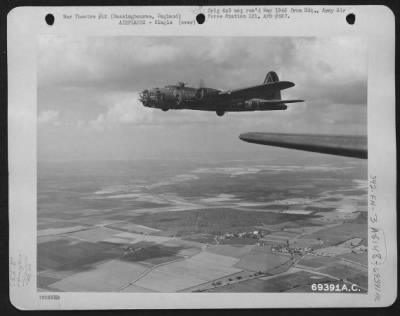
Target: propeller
144 96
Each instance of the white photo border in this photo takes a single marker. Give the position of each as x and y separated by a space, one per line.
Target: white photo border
22 131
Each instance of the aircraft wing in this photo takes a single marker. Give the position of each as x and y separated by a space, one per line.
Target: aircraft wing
340 145
263 91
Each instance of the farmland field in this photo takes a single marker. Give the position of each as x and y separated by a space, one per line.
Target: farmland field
199 225
340 233
198 269
315 262
152 254
94 235
118 273
260 259
64 254
277 284
236 251
216 220
346 271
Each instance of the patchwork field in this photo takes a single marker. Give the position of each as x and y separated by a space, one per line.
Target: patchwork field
69 254
349 272
236 251
282 283
135 238
95 235
136 289
361 258
216 220
131 227
44 281
340 233
117 273
61 230
315 262
261 259
201 225
195 270
153 254
54 224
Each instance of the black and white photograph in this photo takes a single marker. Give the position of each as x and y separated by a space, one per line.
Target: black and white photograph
160 157
145 186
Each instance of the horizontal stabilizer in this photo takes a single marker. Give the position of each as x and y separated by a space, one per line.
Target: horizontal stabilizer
280 101
340 145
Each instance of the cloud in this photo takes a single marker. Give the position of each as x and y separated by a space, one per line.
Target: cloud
48 117
348 92
94 83
126 64
125 111
99 62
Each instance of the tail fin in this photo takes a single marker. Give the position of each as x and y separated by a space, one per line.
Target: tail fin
270 78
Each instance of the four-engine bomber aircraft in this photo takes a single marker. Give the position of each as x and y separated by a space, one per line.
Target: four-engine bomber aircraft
263 97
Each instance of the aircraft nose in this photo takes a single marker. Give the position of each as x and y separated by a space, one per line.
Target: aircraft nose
144 97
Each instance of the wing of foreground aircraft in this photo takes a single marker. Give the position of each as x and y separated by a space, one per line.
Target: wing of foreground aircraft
340 145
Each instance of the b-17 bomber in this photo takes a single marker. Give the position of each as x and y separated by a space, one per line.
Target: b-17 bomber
263 97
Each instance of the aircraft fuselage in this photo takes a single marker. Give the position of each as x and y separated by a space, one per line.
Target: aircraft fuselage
263 97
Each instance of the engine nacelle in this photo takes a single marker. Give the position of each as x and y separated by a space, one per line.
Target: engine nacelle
168 96
185 95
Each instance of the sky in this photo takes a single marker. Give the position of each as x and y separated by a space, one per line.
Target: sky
88 87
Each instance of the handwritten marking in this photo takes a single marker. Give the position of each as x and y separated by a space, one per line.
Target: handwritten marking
20 271
377 237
